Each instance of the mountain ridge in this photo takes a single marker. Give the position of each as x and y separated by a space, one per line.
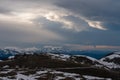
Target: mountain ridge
57 50
77 64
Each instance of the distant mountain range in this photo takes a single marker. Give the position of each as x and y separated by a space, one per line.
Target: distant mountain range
6 52
107 58
31 60
111 60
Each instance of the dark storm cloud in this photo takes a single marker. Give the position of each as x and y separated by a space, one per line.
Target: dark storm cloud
105 11
4 10
81 22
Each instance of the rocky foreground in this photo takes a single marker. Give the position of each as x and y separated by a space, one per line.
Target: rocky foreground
35 65
48 66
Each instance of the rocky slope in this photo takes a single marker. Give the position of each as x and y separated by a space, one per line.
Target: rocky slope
112 60
26 64
43 74
83 66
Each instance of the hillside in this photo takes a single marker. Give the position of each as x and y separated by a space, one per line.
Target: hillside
33 64
78 67
112 60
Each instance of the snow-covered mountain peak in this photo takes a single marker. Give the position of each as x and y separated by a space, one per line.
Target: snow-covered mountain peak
63 57
111 56
112 60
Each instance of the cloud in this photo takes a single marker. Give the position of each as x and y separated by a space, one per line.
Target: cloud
91 47
29 10
100 14
96 14
82 22
96 24
21 32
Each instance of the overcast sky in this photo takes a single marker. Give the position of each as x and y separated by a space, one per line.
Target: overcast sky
76 24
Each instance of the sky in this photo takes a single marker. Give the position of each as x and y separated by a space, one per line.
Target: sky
74 24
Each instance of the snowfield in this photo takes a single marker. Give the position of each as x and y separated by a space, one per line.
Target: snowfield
112 60
46 75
